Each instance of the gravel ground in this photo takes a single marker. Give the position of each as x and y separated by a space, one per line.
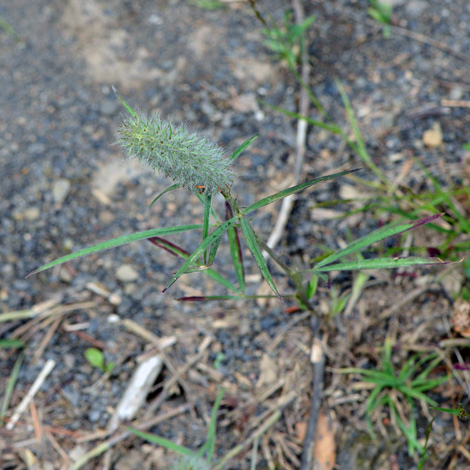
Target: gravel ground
65 186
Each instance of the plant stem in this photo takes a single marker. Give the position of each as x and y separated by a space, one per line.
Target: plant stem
318 360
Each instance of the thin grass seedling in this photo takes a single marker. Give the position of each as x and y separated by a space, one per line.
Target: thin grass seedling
189 460
400 388
382 13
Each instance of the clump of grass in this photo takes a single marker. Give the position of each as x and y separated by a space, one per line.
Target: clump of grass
399 390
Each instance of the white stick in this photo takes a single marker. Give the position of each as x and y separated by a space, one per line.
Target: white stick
46 370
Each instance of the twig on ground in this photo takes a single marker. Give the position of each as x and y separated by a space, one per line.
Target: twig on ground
288 202
137 391
155 404
259 432
143 426
318 361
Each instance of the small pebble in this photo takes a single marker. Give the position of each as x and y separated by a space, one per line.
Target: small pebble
33 213
433 137
60 190
126 273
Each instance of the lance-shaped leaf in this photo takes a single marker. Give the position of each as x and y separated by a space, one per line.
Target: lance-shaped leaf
294 189
217 233
175 250
205 222
379 263
123 240
203 298
377 235
161 441
250 239
167 190
329 127
121 99
242 147
235 249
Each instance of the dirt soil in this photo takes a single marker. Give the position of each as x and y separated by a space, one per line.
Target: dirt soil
65 186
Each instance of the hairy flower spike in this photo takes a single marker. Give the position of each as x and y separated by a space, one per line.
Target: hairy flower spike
184 156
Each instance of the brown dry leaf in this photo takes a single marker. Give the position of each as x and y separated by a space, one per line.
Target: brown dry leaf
325 446
301 430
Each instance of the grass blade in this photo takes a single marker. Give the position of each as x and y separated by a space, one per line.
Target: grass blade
213 213
123 240
462 220
217 233
11 385
210 442
180 252
163 442
205 223
121 99
294 189
242 147
360 146
204 298
380 263
259 258
167 190
378 235
235 249
334 128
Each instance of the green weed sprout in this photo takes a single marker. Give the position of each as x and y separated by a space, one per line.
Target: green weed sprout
189 460
406 385
199 166
96 358
287 41
382 13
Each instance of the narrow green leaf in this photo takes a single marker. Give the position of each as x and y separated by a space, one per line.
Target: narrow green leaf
380 263
121 99
11 343
167 190
205 223
294 189
242 147
334 128
425 455
446 410
180 252
170 445
213 251
213 213
10 386
378 235
204 298
462 220
235 249
210 442
123 240
217 233
361 149
255 250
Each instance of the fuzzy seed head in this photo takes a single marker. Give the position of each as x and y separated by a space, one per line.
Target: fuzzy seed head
184 156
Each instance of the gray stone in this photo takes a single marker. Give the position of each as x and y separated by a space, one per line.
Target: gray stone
60 190
32 213
126 273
